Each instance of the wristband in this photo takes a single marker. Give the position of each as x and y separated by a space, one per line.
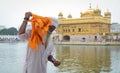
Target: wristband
26 18
53 60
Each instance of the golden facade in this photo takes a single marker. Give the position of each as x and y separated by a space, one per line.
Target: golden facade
91 22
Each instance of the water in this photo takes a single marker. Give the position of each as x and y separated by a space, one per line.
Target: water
12 57
74 58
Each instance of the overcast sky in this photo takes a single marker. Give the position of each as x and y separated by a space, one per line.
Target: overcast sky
12 11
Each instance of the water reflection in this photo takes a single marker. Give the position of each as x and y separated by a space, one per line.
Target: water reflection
74 58
84 59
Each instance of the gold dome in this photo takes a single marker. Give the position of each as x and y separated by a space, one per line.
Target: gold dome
90 10
60 14
97 9
107 13
69 16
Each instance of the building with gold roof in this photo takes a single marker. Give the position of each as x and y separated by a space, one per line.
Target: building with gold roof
90 24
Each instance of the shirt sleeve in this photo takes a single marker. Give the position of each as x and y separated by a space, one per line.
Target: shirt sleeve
25 36
50 47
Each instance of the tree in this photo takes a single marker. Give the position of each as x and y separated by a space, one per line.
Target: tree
9 31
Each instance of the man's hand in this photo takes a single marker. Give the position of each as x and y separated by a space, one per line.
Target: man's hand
56 63
53 60
24 24
28 15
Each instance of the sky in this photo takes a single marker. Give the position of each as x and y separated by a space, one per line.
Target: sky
12 11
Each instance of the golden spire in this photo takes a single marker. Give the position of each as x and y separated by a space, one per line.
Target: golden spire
107 13
90 6
107 10
97 7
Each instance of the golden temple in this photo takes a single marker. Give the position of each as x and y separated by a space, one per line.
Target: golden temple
91 22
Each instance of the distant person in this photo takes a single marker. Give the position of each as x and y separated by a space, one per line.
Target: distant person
40 45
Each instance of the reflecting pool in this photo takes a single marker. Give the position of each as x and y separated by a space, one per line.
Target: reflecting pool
74 58
88 59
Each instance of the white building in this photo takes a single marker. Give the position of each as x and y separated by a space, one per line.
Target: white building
115 28
9 38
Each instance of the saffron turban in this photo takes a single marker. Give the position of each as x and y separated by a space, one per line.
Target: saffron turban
40 27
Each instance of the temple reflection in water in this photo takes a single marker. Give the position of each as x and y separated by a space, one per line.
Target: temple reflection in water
83 59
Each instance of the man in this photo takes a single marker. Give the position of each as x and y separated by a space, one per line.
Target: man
36 61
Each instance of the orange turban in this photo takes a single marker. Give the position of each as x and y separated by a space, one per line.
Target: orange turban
40 27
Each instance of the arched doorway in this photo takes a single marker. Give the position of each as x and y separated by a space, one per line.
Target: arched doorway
66 38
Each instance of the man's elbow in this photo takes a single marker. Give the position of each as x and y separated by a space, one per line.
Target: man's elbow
19 32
